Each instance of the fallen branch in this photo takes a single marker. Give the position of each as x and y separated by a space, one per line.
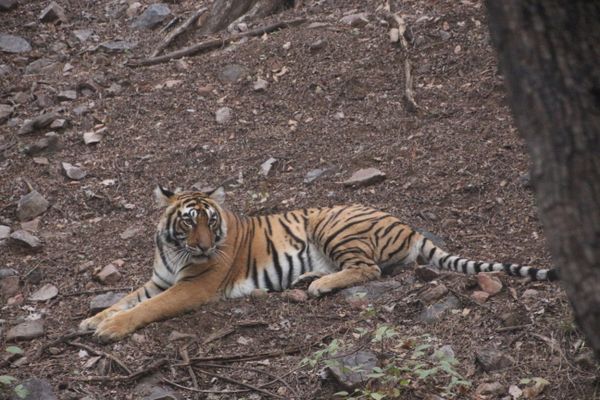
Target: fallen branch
103 354
60 340
138 374
243 384
409 96
182 28
196 390
97 291
214 43
512 328
228 331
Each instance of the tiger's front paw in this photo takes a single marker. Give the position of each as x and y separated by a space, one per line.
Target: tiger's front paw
116 327
92 323
319 287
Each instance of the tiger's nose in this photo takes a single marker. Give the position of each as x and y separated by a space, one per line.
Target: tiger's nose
197 249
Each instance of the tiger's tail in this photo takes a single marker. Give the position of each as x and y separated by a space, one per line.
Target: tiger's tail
439 258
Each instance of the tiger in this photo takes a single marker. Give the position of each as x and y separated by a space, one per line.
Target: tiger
204 252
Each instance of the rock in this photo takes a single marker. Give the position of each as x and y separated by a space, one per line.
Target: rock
36 389
133 9
53 12
4 69
31 226
317 44
370 291
434 312
114 89
39 122
13 44
93 137
6 5
73 172
364 177
259 293
515 392
107 275
433 293
26 238
492 360
489 283
46 292
356 20
426 274
514 318
9 286
152 16
223 115
117 46
26 331
82 35
58 124
105 300
31 205
5 112
530 294
35 276
352 370
315 174
266 167
232 73
44 100
480 296
260 85
67 95
16 300
444 35
130 232
493 389
39 66
445 352
6 272
175 335
48 143
4 233
295 295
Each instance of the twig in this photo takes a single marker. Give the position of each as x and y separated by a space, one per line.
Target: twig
214 43
168 26
130 377
102 353
186 358
191 389
247 385
512 328
228 331
409 96
60 340
182 28
96 291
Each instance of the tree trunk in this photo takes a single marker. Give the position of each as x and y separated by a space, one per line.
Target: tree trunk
224 12
549 52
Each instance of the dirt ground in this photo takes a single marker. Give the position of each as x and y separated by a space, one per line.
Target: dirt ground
456 167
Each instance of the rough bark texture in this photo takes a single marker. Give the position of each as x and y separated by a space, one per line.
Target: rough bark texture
224 12
549 52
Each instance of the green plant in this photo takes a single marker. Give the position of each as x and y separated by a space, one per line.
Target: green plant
7 381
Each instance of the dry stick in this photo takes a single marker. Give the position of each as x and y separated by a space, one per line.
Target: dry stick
409 96
102 353
96 291
60 340
228 331
191 389
182 28
249 386
214 43
130 377
186 359
512 328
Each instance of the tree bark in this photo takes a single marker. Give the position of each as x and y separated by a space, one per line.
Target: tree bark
224 12
549 53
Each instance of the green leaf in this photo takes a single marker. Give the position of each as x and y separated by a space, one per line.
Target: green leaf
342 393
377 396
14 350
7 379
525 381
21 391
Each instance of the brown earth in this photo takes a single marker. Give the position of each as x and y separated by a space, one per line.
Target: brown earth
457 167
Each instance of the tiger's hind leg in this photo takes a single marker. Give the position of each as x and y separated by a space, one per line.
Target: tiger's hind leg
358 272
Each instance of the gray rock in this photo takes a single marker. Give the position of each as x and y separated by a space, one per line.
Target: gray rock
5 69
117 46
223 115
4 234
4 272
37 389
364 177
433 293
13 44
58 124
434 312
9 286
491 388
232 73
260 85
26 331
492 359
31 205
67 95
53 12
267 166
152 16
26 238
44 100
105 300
108 274
81 110
352 371
39 66
39 122
370 291
318 44
48 143
6 5
315 174
46 292
5 112
356 20
82 34
443 353
73 172
444 35
426 274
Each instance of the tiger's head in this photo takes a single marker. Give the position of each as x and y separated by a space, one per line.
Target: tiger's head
192 222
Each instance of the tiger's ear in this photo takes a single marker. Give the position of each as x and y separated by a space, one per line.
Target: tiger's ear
218 195
163 196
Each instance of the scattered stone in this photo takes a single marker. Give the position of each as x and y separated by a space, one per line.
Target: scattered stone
58 124
244 341
266 167
53 12
104 300
13 44
21 98
31 226
46 292
433 293
73 172
44 100
4 234
445 352
107 275
530 294
152 16
138 337
5 112
260 85
364 177
117 46
26 331
356 20
39 122
9 286
493 388
515 392
232 73
4 69
82 34
31 205
223 115
67 95
444 35
133 9
352 370
315 174
480 296
6 5
48 143
130 232
174 335
492 360
93 137
41 160
114 89
259 293
6 272
426 274
370 291
26 238
514 318
35 276
317 44
81 110
295 295
16 300
434 312
489 283
39 66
